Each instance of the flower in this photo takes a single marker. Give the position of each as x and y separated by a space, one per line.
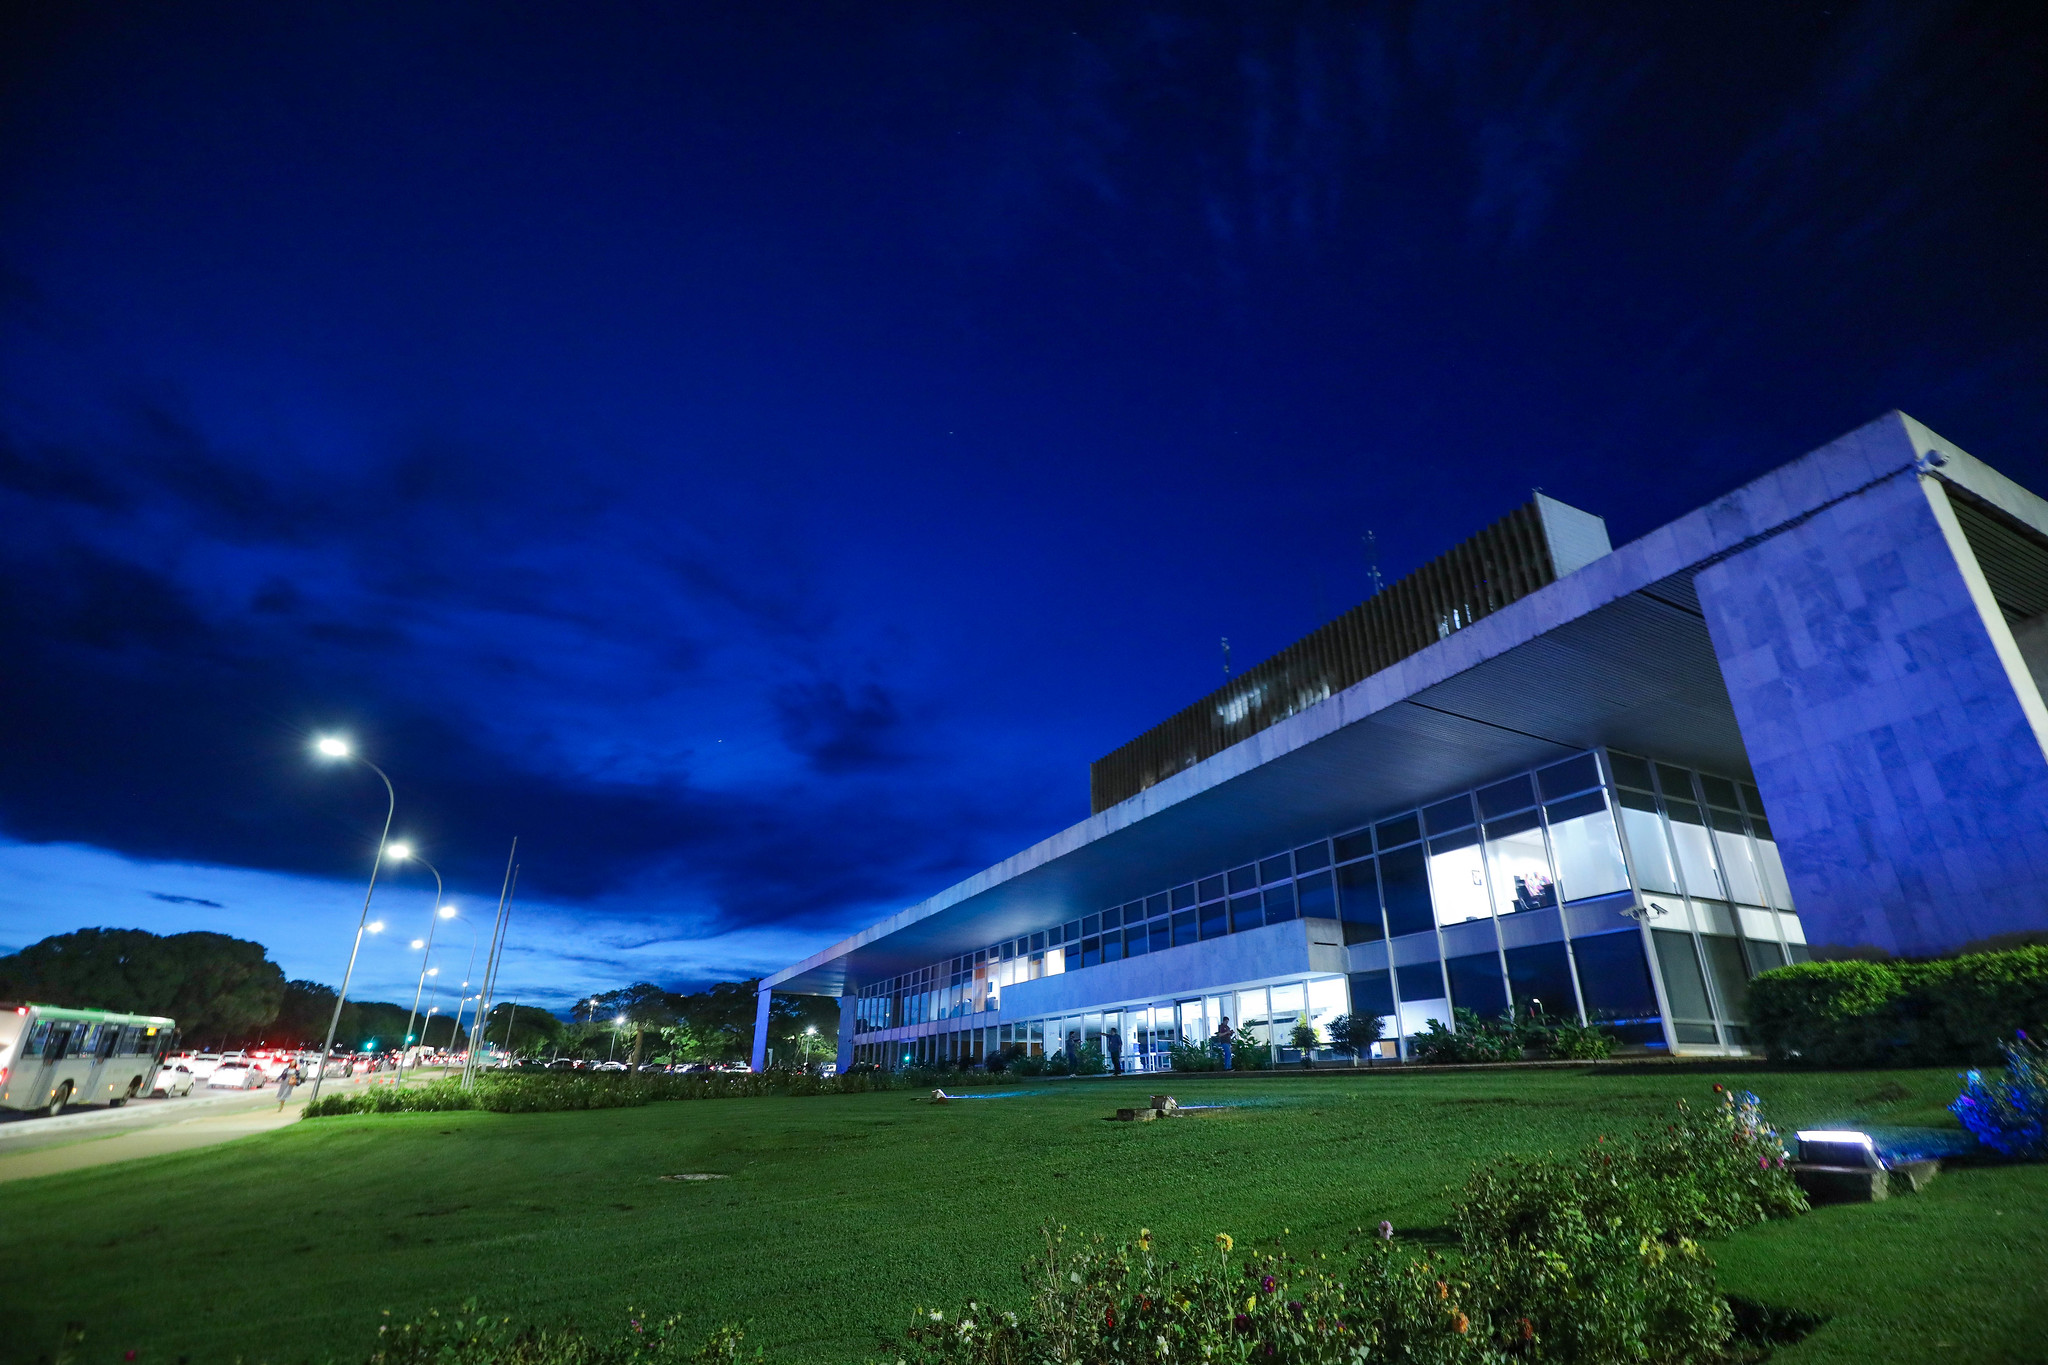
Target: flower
1386 1231
1109 1317
937 1316
1461 1322
1223 1240
130 1354
1250 1303
1267 1284
1241 1323
1294 1307
1443 1291
1528 1329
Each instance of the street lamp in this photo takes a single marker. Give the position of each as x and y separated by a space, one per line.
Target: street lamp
335 747
463 1002
612 1053
424 946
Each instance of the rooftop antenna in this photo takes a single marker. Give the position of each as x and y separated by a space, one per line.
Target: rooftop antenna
1372 561
1226 656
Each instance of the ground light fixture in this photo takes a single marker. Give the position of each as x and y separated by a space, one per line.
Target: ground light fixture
336 748
1838 1147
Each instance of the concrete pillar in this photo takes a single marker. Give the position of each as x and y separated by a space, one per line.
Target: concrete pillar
848 1006
1893 725
761 1002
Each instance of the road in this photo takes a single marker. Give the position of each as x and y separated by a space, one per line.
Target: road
99 1136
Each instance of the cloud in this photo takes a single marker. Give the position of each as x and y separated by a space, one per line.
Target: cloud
184 900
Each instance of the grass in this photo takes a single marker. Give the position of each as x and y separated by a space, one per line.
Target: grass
843 1214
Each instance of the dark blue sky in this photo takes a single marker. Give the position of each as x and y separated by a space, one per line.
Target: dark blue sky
760 454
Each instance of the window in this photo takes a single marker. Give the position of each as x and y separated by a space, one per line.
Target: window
1358 899
1695 849
1745 883
1685 986
1616 978
1521 864
1208 889
1310 858
1446 816
1457 880
1763 954
1476 984
1404 886
1245 913
1731 975
1540 978
1071 932
1317 897
1654 871
1351 846
1773 865
1279 903
1582 840
1275 869
1572 776
1505 798
1160 931
1091 952
1136 941
1393 833
1630 771
1184 928
1243 879
1215 919
1183 897
1372 993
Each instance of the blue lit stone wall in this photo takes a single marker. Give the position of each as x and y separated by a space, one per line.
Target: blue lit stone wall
1905 780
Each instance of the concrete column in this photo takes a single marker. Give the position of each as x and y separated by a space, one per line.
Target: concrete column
848 1006
1892 724
761 1001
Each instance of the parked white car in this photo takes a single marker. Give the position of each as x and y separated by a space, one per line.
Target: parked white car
202 1063
173 1078
235 1076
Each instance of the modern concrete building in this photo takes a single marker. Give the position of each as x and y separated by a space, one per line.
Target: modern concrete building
1540 771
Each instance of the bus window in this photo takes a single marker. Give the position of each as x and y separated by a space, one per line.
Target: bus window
32 1046
110 1040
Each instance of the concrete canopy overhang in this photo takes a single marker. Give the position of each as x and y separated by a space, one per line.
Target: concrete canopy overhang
1616 653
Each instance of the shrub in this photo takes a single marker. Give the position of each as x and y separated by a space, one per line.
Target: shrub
2010 1116
1864 1013
1304 1039
1030 1064
1592 1259
1475 1040
473 1337
1570 1041
550 1092
1058 1063
1089 1061
1354 1034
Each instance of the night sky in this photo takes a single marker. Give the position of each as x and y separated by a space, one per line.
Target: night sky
760 454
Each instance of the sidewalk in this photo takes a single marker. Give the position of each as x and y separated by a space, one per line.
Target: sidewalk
101 1137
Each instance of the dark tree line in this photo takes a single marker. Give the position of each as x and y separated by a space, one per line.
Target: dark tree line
221 990
225 991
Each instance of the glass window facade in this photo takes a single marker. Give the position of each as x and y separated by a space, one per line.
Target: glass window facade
1508 896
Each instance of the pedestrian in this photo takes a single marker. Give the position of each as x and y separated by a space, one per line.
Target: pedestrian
1224 1036
286 1081
1116 1052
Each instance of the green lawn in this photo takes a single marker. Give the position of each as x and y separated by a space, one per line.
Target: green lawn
843 1214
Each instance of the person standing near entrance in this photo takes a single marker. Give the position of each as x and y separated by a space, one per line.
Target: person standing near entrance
1116 1052
1225 1035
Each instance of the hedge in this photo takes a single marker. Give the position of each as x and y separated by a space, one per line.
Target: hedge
553 1093
1905 1013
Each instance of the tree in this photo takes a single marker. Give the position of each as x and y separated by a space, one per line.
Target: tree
1354 1034
219 989
638 1008
532 1028
722 1016
1304 1038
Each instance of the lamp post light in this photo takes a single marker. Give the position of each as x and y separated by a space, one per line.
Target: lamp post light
425 946
335 747
612 1053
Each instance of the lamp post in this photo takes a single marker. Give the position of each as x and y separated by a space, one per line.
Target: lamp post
611 1054
464 1000
425 947
335 747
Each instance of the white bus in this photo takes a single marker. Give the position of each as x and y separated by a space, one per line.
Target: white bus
52 1057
